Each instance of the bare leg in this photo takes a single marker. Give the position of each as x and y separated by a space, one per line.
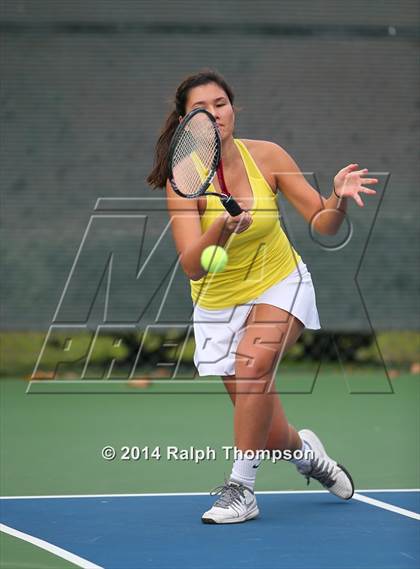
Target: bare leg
260 421
282 435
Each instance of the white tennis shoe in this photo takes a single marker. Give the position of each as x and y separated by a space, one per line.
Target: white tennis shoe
236 504
333 476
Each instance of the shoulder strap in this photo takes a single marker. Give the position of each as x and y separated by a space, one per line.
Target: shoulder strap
252 168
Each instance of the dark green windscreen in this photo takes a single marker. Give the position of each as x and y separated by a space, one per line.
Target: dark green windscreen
85 89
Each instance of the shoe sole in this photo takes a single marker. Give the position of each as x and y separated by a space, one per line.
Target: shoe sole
250 516
351 482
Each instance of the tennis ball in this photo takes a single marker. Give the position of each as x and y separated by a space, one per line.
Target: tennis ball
213 259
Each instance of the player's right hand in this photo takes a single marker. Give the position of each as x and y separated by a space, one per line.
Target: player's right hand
238 223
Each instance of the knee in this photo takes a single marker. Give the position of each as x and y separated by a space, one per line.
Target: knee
259 368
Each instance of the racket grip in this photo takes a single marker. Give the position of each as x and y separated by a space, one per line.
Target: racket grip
231 206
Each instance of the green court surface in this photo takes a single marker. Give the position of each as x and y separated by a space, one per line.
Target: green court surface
51 443
18 554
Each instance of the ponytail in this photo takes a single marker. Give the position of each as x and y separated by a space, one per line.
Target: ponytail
158 176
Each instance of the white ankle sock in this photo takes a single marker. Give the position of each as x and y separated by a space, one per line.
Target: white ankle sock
303 462
244 471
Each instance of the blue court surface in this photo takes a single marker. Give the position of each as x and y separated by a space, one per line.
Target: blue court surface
377 529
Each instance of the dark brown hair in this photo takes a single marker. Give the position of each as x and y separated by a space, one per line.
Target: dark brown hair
158 176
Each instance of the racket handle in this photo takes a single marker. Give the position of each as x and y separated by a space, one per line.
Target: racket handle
231 206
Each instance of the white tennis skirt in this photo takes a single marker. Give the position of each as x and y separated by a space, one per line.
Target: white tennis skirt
218 332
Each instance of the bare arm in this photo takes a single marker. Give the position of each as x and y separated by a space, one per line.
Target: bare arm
189 239
307 201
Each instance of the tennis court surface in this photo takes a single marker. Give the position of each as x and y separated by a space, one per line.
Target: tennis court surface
63 505
159 531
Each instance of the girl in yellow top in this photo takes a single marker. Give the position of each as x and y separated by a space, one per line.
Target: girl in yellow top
249 315
259 257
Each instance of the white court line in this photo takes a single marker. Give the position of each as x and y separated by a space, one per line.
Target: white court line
163 494
386 506
79 561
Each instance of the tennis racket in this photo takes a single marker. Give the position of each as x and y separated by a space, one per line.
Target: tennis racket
195 158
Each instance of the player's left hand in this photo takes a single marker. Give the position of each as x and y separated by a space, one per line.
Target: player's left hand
349 183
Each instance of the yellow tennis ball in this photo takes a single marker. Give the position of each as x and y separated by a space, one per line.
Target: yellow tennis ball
213 259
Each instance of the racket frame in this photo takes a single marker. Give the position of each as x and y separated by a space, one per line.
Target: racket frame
216 159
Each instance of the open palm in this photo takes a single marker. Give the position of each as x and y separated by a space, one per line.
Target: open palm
350 183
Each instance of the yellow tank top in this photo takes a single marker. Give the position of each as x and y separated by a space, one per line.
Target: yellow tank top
258 257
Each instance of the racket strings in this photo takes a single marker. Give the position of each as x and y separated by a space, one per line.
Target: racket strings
194 155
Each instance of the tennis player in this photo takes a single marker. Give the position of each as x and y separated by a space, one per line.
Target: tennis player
249 315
